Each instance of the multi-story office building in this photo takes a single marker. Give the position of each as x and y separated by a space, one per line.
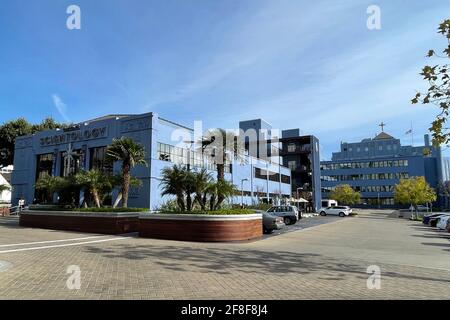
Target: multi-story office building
374 166
301 155
83 146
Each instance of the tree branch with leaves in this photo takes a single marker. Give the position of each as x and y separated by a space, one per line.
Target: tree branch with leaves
438 93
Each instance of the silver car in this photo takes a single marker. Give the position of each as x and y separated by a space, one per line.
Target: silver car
272 222
288 213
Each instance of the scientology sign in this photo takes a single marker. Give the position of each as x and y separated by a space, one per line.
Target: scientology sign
74 136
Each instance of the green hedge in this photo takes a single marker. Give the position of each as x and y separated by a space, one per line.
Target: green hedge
111 210
215 212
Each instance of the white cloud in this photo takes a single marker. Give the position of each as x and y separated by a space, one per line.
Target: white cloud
61 107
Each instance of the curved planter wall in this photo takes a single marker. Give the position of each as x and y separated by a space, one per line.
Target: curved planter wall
104 223
204 228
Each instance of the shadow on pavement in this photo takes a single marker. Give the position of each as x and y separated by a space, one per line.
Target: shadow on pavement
184 258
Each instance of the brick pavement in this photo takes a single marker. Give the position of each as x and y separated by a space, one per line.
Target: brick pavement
324 262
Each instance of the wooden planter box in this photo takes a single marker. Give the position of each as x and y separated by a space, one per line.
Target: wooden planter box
91 222
203 228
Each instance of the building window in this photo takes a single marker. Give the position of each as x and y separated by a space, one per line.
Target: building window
291 147
285 179
292 165
71 163
366 149
44 167
358 149
99 161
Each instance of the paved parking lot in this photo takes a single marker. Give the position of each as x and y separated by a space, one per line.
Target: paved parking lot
325 261
304 224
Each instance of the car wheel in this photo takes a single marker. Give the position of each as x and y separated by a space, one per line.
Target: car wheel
323 214
341 214
287 221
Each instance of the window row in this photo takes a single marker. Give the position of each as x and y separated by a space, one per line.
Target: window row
366 164
389 188
183 156
273 176
373 176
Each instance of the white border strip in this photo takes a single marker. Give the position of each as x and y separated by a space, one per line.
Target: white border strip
49 241
63 245
202 217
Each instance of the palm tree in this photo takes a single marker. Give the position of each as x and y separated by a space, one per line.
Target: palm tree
172 183
221 147
219 191
117 181
203 182
130 154
51 184
95 182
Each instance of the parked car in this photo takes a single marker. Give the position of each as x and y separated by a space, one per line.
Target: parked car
350 210
290 214
433 221
272 222
426 219
442 223
337 210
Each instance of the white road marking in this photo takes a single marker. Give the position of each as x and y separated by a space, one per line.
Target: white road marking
48 241
63 245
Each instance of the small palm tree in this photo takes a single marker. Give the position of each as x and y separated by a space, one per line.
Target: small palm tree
202 186
130 154
173 183
51 184
95 182
219 191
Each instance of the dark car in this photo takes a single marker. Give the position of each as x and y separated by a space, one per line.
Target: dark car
272 222
426 219
433 221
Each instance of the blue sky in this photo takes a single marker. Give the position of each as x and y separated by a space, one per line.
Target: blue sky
312 65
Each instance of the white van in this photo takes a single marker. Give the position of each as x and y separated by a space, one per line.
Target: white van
327 203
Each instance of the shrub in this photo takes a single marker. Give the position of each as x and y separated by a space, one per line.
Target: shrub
214 212
109 209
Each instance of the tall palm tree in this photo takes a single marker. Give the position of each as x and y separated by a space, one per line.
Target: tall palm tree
222 147
117 181
95 182
130 154
173 183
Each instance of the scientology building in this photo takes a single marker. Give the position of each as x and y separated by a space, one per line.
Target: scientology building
83 147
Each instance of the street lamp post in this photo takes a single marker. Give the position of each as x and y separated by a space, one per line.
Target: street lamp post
298 198
242 192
